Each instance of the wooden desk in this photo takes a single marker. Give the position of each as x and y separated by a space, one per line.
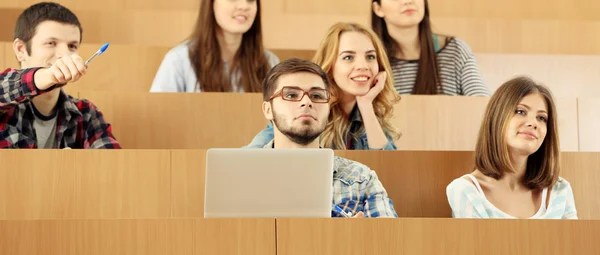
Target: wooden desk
415 180
180 120
485 26
138 236
209 120
123 67
130 184
436 236
84 184
589 124
452 123
132 67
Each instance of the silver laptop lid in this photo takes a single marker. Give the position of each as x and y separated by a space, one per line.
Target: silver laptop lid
266 183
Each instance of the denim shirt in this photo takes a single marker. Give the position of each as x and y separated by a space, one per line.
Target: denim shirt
358 143
356 188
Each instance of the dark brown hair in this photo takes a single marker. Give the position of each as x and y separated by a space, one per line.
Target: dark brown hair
491 152
31 17
292 65
428 75
205 54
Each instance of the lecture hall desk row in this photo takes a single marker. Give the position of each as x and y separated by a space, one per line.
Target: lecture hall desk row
133 67
132 184
209 120
298 237
513 27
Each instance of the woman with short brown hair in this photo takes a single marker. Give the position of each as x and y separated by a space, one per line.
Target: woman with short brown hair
517 156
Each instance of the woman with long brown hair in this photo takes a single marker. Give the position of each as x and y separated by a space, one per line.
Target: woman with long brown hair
517 157
424 62
363 95
225 53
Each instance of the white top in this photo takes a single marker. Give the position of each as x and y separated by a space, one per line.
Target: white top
469 201
176 73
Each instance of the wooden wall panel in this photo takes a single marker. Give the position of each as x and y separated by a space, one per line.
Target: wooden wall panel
565 75
8 17
132 184
416 181
514 27
533 9
3 54
8 59
589 124
123 67
133 67
305 31
57 184
434 126
120 68
452 123
181 121
436 236
97 237
188 171
579 169
236 236
138 237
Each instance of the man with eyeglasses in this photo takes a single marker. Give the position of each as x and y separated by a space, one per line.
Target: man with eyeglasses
296 99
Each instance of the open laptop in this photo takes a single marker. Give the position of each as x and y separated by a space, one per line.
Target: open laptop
267 183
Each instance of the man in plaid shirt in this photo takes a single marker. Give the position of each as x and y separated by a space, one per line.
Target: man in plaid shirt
34 111
296 99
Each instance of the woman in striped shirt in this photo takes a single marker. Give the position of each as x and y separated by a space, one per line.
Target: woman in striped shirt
516 160
423 62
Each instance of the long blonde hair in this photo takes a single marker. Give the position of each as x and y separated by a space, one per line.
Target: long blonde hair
339 124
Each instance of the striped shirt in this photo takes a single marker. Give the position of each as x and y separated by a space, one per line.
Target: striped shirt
467 200
458 69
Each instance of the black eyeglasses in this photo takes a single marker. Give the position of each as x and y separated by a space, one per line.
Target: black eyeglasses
296 94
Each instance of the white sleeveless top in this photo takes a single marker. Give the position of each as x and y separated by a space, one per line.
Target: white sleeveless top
469 201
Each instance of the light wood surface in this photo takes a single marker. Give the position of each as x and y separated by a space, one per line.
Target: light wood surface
415 181
565 75
8 58
188 169
298 236
236 236
513 27
207 120
579 168
452 123
436 236
123 67
133 68
3 55
181 121
130 184
589 124
67 184
138 236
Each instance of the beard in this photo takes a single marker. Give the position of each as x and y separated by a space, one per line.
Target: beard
302 134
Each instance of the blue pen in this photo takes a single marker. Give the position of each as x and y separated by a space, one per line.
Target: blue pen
342 212
98 53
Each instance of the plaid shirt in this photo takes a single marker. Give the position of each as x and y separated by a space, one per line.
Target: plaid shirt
356 188
79 125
